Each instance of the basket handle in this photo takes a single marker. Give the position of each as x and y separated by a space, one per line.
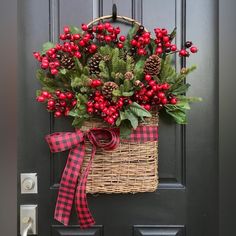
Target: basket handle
115 17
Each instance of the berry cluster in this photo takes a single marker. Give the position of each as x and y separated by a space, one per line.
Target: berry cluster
153 94
107 110
140 41
58 102
105 32
164 45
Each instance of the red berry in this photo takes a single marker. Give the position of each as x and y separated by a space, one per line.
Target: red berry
62 36
161 95
147 107
74 102
77 54
152 82
54 71
122 38
164 31
117 30
146 40
93 47
66 30
76 36
90 110
63 103
57 92
40 99
133 42
148 77
44 65
164 100
84 27
57 114
173 101
173 48
100 27
69 95
51 103
141 51
108 38
165 39
183 53
110 120
149 93
45 94
159 50
120 45
193 49
82 43
165 86
62 96
110 29
107 25
167 45
36 55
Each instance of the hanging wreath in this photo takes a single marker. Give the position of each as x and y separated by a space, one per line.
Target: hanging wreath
122 82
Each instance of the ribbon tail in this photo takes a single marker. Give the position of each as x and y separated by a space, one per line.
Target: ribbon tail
86 219
68 184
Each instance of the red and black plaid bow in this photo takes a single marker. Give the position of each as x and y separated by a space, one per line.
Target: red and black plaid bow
75 142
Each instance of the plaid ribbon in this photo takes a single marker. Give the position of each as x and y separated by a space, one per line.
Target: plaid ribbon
70 188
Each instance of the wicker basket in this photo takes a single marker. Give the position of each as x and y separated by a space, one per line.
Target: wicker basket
130 168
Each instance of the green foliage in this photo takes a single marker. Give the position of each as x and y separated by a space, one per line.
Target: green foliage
129 63
129 119
138 69
47 83
118 65
75 30
168 73
139 111
130 35
104 70
47 46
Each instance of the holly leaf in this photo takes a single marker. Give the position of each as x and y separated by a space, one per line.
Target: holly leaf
74 113
46 46
139 111
132 118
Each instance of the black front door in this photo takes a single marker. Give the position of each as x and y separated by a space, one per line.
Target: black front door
186 202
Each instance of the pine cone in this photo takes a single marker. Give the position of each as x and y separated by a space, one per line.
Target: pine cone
152 65
93 64
66 61
129 75
107 89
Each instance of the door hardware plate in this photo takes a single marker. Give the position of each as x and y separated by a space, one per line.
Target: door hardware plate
28 212
29 183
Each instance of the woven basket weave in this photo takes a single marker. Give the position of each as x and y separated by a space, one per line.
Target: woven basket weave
130 168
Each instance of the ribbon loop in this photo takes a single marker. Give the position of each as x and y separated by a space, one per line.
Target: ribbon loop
61 141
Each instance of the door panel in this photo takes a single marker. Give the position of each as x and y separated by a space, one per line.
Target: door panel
185 202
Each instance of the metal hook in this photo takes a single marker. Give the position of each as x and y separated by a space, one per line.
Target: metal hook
114 12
